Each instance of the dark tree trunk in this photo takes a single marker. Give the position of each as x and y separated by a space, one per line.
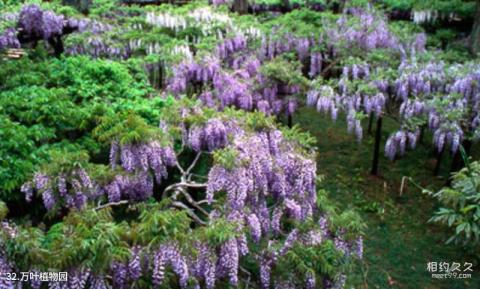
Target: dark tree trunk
438 157
55 41
376 152
290 121
370 123
475 35
161 68
457 162
240 6
422 134
57 45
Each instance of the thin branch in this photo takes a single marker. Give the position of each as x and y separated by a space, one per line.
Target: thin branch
206 202
329 67
402 186
189 178
193 202
182 184
365 274
194 162
189 212
179 168
391 116
248 274
244 270
123 202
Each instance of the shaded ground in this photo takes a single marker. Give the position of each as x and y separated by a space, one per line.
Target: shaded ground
398 243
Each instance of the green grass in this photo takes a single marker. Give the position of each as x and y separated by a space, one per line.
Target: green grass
398 243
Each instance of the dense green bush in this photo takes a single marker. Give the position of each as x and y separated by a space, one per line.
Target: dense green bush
52 102
460 205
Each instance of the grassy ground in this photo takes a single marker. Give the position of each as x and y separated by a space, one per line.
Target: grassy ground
398 243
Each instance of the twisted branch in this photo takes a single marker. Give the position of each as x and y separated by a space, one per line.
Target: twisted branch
190 212
184 185
123 202
194 162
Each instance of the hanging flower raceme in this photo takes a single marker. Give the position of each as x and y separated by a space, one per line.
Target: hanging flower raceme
397 143
324 99
316 64
143 157
204 266
274 252
169 255
8 39
265 169
356 71
227 265
67 180
275 45
365 30
36 23
99 46
72 188
6 267
136 187
431 15
448 135
174 22
213 135
232 90
412 108
443 96
188 72
230 46
420 79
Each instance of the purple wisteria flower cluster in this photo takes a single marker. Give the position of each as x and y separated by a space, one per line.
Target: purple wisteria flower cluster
6 267
230 46
71 189
370 31
143 157
352 101
169 255
8 39
244 87
416 91
98 46
268 171
211 136
140 165
36 23
443 97
273 252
